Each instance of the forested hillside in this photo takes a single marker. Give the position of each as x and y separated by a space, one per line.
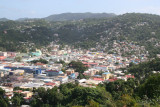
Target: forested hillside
136 28
77 16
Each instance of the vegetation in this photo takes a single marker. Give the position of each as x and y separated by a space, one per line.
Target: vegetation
141 29
114 94
40 60
3 102
78 16
18 59
17 99
79 67
145 69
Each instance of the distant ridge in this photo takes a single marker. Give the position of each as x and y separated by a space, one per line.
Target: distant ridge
4 19
77 16
27 19
67 17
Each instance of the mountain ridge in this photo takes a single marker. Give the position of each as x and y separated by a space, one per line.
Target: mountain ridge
67 16
4 19
77 16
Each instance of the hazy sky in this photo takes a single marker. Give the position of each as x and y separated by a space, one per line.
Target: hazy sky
14 9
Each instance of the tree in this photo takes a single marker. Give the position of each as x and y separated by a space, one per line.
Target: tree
79 66
40 60
93 104
18 59
42 94
3 103
126 101
2 92
82 95
131 64
151 87
17 99
120 87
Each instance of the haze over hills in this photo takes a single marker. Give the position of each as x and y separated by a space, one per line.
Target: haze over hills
140 29
4 19
77 16
70 16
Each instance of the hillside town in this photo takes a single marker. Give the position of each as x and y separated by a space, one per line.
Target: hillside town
18 69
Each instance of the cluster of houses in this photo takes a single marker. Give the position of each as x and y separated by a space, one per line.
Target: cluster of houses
126 48
102 67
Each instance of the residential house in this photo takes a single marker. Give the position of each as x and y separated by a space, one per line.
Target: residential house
106 75
70 71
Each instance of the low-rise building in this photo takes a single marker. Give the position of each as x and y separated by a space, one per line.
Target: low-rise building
70 71
106 75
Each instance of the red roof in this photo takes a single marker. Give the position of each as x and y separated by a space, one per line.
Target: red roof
84 62
38 63
112 80
98 79
129 76
90 63
137 59
50 84
118 58
2 57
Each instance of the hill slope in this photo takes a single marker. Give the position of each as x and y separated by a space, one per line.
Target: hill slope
4 19
78 16
133 29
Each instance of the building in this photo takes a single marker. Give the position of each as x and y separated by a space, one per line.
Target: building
37 53
102 67
72 76
69 71
52 73
3 54
27 94
106 75
63 79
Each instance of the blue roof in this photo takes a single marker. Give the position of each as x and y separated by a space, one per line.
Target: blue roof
73 75
60 72
106 73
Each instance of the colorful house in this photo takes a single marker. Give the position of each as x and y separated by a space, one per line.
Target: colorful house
37 53
69 71
106 75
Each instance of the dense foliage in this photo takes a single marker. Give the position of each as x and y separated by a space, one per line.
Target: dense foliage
79 67
145 69
40 61
78 16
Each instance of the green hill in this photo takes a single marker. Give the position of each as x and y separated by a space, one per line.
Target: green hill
135 28
77 16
